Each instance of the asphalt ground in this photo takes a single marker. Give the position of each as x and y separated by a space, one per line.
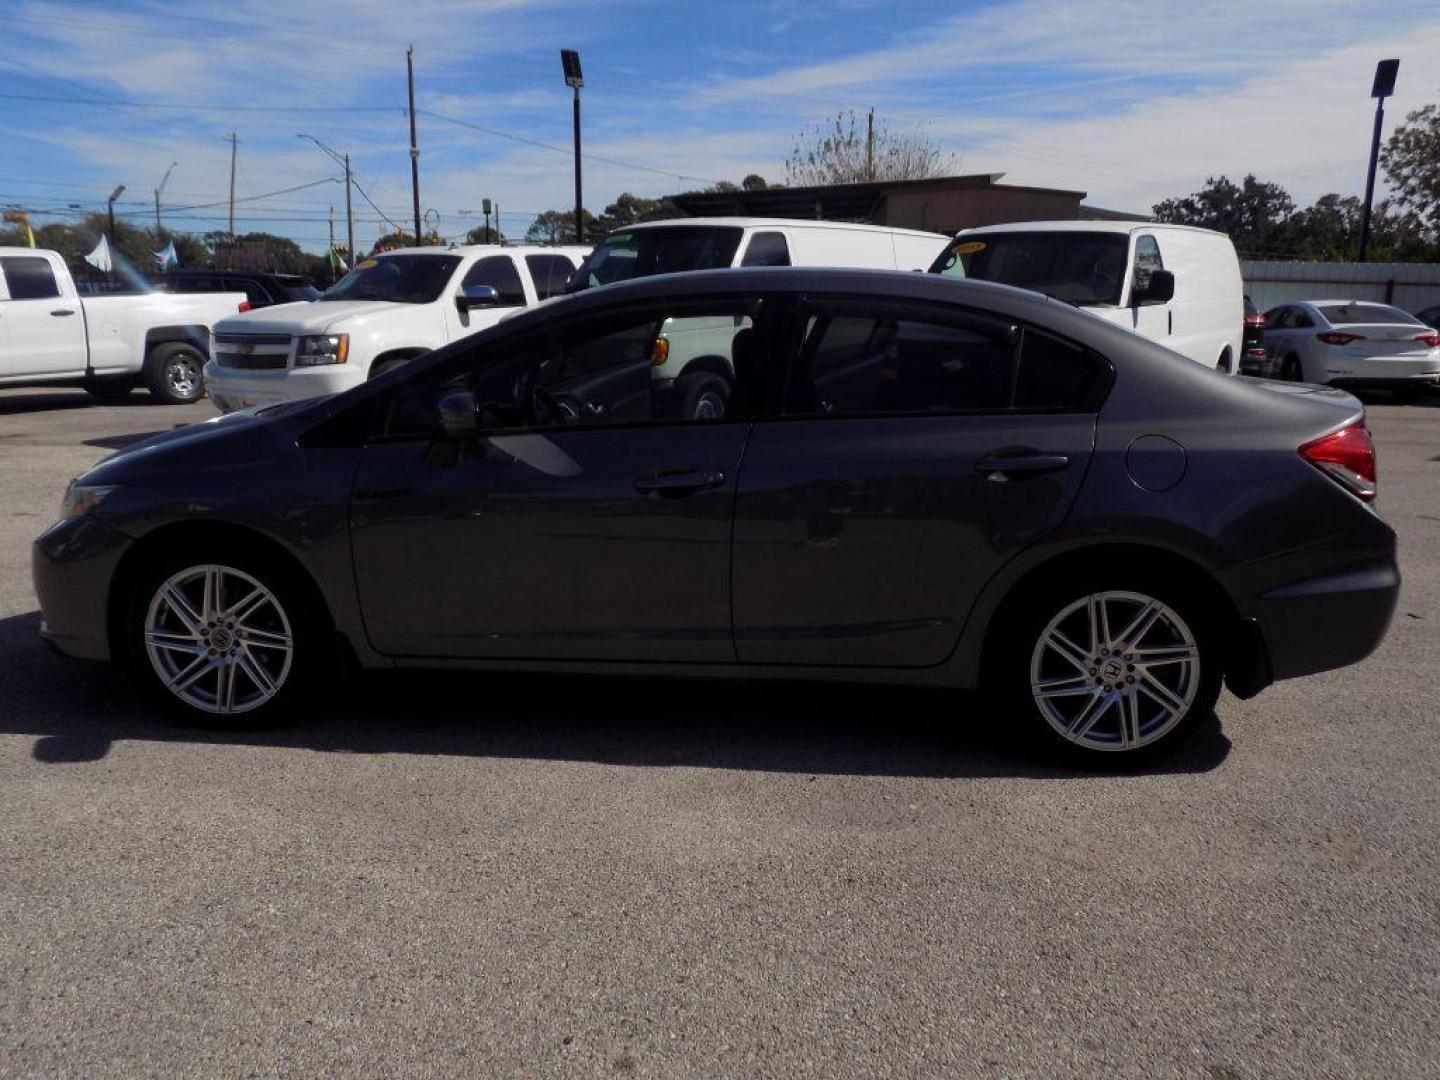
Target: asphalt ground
482 876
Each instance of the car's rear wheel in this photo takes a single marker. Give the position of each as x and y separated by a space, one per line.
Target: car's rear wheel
1114 669
229 642
1291 370
109 387
174 373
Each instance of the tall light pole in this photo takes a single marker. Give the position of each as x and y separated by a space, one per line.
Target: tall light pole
570 60
485 205
1383 87
414 143
343 160
159 229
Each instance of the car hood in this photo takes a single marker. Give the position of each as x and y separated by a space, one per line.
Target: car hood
314 317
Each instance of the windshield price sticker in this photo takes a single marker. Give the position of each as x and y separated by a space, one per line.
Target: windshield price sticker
969 247
367 264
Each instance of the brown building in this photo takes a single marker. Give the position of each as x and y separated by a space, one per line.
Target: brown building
941 204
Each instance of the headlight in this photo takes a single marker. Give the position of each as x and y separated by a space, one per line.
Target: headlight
322 349
82 498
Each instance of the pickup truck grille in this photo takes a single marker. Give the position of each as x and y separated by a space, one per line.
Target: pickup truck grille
253 352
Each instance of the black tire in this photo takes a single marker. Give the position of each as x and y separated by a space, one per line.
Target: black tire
174 373
1225 364
703 395
380 367
1116 678
1291 369
109 388
244 649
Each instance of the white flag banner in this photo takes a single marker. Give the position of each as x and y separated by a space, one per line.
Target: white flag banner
167 258
100 257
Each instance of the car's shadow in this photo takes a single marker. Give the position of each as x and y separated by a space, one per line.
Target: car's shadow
55 400
78 711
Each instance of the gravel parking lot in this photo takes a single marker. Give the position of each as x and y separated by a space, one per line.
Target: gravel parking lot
531 877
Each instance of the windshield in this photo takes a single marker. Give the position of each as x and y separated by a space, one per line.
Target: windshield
405 279
671 249
1350 314
1078 267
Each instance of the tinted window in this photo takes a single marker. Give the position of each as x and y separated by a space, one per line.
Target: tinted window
29 277
669 249
767 249
1078 267
1056 374
254 292
302 291
891 362
406 279
549 272
1300 318
498 271
1350 314
1430 316
1277 318
602 371
1147 261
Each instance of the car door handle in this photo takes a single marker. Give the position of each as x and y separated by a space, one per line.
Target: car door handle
679 481
1004 465
63 311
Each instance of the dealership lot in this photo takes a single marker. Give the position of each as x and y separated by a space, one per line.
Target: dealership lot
542 876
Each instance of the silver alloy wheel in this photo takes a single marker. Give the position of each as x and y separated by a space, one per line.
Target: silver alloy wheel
1115 671
218 639
182 375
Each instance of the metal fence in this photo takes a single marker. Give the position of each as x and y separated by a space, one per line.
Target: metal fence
1411 286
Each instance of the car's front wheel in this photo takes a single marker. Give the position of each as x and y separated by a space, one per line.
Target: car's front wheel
228 641
1114 669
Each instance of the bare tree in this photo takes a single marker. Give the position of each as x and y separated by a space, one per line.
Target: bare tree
853 151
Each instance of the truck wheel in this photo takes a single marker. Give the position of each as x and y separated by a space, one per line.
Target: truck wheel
109 387
173 373
703 396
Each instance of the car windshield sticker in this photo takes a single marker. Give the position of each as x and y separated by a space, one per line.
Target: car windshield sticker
969 247
367 264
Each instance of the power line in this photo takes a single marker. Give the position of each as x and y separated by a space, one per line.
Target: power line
197 107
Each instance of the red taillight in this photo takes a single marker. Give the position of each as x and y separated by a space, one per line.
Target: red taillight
244 305
1339 337
1346 456
1430 340
1256 320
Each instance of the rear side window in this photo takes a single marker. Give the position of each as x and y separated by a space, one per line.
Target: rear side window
549 272
29 277
767 249
500 274
254 292
1057 375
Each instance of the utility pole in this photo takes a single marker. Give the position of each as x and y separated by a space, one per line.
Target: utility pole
349 218
159 229
870 145
330 255
414 146
234 148
570 61
1383 87
485 206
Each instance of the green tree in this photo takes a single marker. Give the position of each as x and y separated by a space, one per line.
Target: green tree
849 152
391 240
1411 158
483 235
754 182
558 227
1253 213
628 209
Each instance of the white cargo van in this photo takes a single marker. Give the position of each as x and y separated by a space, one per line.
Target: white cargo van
694 355
1173 284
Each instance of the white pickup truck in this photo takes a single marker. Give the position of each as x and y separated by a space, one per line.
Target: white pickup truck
389 309
49 336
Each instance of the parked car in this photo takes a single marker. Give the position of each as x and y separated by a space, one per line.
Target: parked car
915 480
261 290
692 358
1430 317
388 310
1173 284
1254 359
108 344
1356 344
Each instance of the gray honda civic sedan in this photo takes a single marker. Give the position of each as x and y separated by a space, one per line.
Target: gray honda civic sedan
897 478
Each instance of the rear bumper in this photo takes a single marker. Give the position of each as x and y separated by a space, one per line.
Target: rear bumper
72 565
1418 381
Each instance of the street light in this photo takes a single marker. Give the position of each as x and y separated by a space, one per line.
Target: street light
485 206
1383 87
163 181
110 209
570 61
343 161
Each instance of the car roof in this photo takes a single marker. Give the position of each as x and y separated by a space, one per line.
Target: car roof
1116 227
773 223
488 249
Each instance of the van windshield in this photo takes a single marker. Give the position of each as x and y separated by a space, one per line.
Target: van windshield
1077 267
671 249
407 279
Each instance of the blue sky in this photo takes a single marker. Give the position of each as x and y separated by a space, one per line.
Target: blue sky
1130 101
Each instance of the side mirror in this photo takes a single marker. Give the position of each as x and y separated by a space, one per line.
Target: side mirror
459 415
477 296
1160 289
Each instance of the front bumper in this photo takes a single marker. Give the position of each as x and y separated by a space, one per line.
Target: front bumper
232 389
72 565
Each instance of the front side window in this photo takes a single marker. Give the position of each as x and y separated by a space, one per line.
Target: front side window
767 249
603 371
549 272
668 249
29 277
498 271
404 279
1147 261
1077 267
